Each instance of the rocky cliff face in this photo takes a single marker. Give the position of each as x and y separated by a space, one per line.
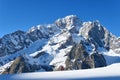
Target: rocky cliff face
99 36
67 44
11 43
79 58
22 65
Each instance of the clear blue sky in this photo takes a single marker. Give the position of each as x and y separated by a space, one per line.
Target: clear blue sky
23 14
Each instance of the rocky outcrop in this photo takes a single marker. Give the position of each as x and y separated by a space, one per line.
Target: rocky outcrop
100 36
22 65
96 32
13 42
78 58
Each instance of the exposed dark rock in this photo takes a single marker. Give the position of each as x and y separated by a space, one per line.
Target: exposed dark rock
76 55
61 68
99 60
78 58
18 40
11 43
18 66
21 65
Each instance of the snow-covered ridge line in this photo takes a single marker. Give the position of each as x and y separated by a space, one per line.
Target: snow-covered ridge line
67 44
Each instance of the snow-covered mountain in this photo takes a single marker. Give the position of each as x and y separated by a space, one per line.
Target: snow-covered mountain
67 44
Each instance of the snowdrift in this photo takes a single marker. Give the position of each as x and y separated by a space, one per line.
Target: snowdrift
105 73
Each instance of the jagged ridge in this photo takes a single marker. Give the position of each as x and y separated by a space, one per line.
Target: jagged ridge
66 44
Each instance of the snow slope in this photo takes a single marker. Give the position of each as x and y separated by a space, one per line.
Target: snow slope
111 57
106 73
32 48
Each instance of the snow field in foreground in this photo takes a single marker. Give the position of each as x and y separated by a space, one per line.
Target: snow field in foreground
110 72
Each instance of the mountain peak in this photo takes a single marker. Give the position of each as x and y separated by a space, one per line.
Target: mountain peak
65 42
90 27
69 16
71 22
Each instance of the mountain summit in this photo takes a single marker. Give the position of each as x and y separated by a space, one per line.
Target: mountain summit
67 44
